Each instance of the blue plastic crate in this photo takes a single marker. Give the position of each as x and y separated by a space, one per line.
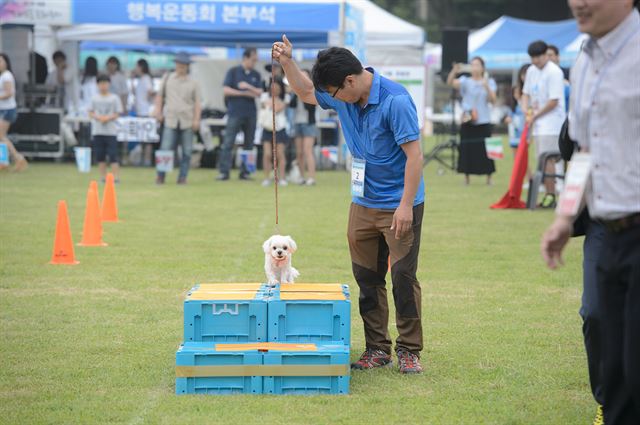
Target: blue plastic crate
328 367
198 364
225 316
309 317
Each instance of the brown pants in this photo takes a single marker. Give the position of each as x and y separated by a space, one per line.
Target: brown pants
371 241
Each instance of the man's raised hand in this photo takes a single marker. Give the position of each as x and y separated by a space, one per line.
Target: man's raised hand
282 49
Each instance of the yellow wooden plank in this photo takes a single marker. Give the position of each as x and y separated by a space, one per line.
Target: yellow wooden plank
266 346
221 295
262 370
230 286
311 287
312 296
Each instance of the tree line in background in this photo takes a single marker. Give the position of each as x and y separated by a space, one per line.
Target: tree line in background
434 15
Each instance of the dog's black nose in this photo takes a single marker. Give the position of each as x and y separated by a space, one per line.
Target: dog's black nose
279 252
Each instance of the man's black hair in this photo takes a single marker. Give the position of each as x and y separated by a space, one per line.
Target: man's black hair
554 48
537 48
248 52
332 67
103 77
59 54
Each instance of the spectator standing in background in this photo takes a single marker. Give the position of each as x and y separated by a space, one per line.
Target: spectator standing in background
88 84
143 96
64 77
554 56
242 86
118 85
8 111
305 133
266 122
178 106
477 92
543 105
516 119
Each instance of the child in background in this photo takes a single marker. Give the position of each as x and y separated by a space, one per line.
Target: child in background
104 111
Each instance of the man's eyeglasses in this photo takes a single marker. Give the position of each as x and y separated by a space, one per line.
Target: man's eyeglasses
336 92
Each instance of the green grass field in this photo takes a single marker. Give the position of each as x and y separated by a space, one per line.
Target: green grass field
95 343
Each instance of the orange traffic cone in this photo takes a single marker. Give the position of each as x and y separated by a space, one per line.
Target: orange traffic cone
109 203
63 244
92 230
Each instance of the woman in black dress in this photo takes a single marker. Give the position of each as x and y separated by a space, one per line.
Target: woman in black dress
477 92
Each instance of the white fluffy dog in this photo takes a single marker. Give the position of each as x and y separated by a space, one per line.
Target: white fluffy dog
277 259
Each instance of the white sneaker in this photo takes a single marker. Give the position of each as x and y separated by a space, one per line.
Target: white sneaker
310 182
266 182
283 183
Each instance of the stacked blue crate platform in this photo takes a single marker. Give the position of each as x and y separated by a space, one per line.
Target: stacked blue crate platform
250 338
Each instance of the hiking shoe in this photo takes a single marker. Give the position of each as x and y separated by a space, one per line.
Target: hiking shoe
222 177
245 176
371 359
408 362
548 201
599 419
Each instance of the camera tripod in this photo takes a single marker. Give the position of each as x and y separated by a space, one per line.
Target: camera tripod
445 152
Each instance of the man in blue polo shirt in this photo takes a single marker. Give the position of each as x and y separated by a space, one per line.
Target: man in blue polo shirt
380 125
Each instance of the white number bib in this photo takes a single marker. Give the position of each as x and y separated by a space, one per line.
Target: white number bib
357 177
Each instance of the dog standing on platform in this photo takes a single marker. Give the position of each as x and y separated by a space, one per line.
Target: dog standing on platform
277 259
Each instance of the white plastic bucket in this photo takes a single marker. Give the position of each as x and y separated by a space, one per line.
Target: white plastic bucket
164 161
83 159
248 158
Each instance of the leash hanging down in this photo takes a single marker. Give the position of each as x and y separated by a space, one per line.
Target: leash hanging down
273 138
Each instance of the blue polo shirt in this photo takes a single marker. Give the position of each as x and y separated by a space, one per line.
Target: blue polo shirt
374 133
241 106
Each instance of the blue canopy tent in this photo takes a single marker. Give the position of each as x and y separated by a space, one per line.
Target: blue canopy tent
503 43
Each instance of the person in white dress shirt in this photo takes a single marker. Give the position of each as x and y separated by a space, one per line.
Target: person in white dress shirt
604 118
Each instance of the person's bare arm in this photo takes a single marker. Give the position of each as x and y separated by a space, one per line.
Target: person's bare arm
451 78
280 105
491 95
403 216
197 111
8 90
299 82
550 106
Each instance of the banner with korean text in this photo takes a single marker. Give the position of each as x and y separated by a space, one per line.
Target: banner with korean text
213 15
